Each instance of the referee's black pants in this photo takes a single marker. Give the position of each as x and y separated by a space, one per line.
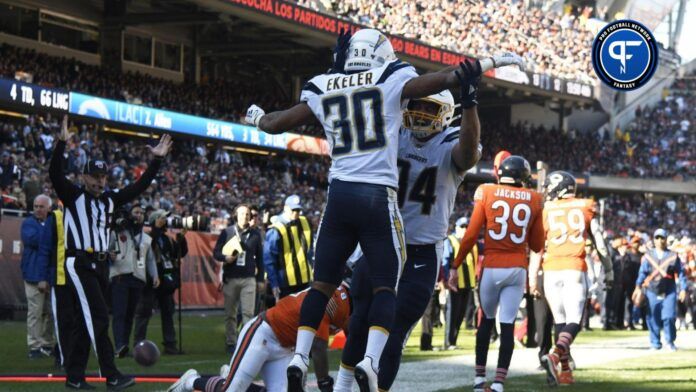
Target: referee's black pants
65 311
89 282
456 310
543 322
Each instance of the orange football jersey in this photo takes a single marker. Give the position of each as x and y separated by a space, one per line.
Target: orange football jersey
567 225
284 317
511 218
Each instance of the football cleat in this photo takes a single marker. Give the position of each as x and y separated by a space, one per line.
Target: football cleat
480 384
297 373
551 362
566 378
180 384
224 371
495 387
366 376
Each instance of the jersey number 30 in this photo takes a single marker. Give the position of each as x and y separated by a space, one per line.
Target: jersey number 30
520 218
362 121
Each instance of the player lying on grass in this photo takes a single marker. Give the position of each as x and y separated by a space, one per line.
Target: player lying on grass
265 345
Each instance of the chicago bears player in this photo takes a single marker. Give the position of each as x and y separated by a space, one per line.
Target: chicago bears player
360 112
568 221
265 346
511 216
433 158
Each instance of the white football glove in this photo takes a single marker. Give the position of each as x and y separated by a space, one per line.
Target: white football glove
253 115
509 58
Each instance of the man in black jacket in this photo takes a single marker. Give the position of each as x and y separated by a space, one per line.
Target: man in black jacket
168 254
240 248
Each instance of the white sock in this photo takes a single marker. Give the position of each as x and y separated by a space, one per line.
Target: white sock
344 380
376 340
305 338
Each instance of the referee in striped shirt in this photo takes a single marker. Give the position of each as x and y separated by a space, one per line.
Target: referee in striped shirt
87 217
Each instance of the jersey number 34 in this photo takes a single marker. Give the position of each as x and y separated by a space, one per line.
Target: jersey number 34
358 117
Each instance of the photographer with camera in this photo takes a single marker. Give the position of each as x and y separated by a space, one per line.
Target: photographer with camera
167 253
240 248
132 261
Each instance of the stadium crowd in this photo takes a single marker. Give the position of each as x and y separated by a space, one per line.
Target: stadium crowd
212 180
646 148
483 28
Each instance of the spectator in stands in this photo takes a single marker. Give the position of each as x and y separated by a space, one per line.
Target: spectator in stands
287 251
240 248
35 272
32 186
132 261
168 253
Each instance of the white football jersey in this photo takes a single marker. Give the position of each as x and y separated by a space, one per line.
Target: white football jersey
428 182
361 115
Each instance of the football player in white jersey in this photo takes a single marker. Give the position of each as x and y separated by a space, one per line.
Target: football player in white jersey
433 158
360 111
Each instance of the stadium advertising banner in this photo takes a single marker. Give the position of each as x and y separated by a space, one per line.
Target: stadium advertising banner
329 24
146 117
32 97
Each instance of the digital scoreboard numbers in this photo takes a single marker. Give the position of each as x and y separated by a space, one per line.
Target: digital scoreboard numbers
30 96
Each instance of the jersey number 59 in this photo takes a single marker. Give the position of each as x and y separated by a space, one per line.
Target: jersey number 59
358 117
520 217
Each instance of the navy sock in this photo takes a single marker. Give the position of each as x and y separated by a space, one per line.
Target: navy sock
382 310
313 308
208 384
483 339
507 345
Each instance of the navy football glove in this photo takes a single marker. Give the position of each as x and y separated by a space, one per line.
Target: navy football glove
340 51
469 75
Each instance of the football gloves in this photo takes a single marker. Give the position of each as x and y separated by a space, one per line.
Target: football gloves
253 115
508 58
340 52
469 75
326 384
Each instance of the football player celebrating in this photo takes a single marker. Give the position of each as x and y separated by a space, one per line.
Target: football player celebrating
433 158
511 217
265 346
568 221
360 112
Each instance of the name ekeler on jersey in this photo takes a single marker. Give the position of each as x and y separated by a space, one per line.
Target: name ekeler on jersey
625 55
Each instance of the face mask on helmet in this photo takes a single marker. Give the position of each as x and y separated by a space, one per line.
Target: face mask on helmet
368 49
430 115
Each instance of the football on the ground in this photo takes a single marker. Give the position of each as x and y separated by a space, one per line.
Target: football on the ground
146 353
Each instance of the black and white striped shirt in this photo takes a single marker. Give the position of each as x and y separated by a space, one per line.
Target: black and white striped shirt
87 218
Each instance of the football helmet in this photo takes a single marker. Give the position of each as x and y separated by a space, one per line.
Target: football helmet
559 185
514 170
368 48
429 115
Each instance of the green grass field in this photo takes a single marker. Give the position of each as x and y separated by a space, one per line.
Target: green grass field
204 350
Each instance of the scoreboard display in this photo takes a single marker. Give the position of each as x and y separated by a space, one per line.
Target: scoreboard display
33 97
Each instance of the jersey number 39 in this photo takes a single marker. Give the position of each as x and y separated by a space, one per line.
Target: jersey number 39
520 217
358 117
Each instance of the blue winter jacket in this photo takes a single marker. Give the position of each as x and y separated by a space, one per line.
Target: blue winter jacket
34 265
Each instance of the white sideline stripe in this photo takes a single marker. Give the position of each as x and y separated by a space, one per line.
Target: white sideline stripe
54 308
458 371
